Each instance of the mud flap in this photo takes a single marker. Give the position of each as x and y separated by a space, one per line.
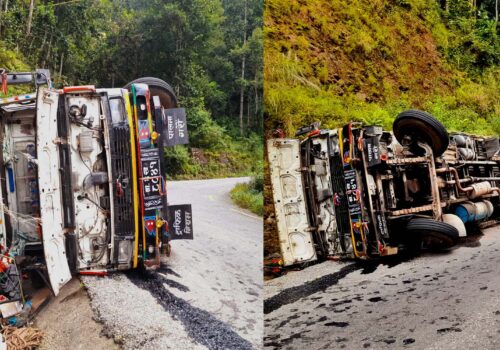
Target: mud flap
296 241
50 190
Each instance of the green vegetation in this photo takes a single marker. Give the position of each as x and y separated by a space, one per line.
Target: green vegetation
368 60
210 51
230 158
249 195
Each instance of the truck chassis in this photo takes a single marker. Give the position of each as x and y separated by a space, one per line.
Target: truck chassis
362 192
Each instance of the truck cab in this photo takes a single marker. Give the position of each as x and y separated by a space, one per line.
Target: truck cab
74 187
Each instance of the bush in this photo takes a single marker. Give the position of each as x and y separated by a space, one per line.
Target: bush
220 154
245 196
204 132
257 183
179 162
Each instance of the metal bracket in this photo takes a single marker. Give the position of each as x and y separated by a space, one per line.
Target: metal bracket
60 141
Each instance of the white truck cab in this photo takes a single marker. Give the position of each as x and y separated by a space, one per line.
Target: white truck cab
71 191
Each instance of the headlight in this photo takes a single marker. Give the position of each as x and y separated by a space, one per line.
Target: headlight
124 252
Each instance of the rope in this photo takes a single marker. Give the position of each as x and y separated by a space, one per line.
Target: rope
31 220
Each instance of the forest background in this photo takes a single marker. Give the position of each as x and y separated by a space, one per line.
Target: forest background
209 51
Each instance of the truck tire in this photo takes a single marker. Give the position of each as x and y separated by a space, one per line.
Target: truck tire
158 87
434 234
420 126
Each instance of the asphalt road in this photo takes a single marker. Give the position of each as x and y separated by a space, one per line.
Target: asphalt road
447 300
208 294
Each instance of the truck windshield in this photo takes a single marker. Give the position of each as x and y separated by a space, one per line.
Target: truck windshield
117 110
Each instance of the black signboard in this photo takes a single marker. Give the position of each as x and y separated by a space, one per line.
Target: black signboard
352 192
382 225
174 127
372 151
151 178
180 221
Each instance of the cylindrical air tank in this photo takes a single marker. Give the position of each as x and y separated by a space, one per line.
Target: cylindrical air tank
474 211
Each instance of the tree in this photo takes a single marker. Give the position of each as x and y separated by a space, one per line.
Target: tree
242 18
206 49
30 17
243 59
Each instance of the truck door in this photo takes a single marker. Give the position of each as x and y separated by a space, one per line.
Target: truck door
296 241
50 189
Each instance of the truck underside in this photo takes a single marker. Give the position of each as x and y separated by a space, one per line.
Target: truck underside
363 192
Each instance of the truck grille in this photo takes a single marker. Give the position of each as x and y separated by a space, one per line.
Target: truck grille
122 180
338 185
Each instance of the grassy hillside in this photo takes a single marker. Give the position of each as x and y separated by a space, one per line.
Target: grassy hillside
368 60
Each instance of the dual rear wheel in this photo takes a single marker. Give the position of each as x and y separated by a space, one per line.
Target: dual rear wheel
411 127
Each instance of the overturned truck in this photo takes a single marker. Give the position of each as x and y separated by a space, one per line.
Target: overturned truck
83 187
362 192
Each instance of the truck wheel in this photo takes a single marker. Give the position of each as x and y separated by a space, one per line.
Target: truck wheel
434 234
413 125
158 87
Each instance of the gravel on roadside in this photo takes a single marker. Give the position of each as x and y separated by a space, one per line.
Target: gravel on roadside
133 317
139 312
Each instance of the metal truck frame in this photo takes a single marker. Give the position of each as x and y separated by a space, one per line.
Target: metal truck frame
362 192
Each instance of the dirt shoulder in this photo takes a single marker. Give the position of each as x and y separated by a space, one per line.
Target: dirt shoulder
68 322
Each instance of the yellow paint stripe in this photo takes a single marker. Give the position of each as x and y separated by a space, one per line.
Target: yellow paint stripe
353 240
134 176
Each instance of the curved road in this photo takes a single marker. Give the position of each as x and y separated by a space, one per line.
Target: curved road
223 263
208 295
448 300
